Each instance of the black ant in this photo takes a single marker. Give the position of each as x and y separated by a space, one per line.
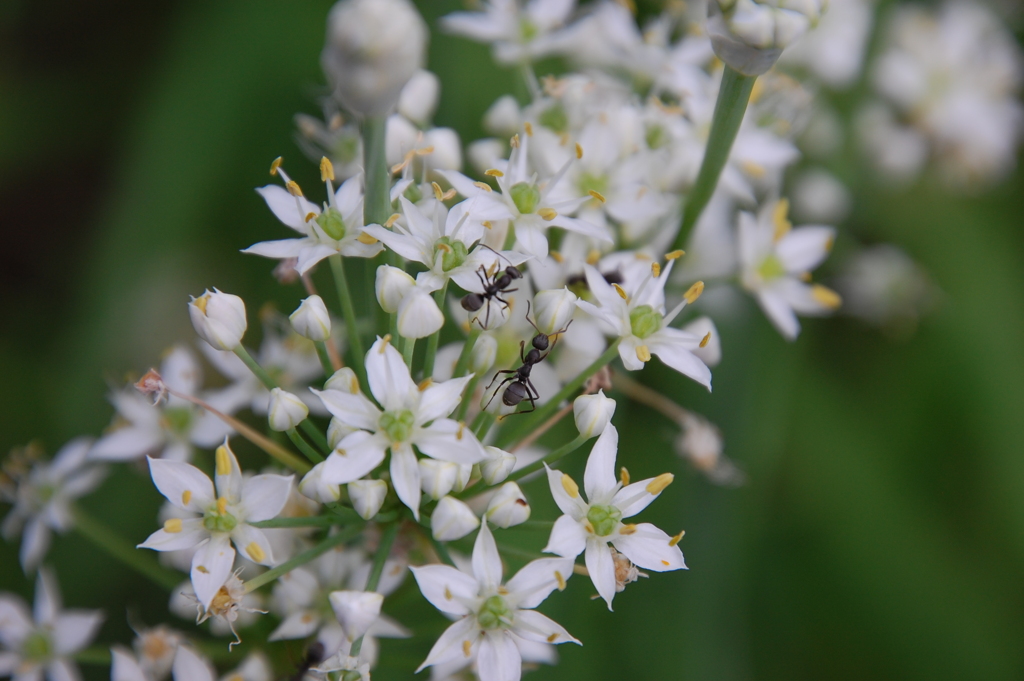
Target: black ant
314 656
520 387
494 285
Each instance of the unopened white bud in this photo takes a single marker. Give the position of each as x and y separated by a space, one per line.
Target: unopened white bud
447 153
497 466
391 286
345 380
592 413
508 506
553 309
452 519
418 98
373 48
503 118
356 611
701 443
437 478
490 316
337 431
285 410
709 350
464 476
418 315
483 354
484 154
311 319
749 35
367 496
314 486
219 319
400 136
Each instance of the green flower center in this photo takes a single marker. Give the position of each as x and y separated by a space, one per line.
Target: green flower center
656 137
527 29
178 419
526 197
597 183
554 118
346 149
37 647
604 519
453 252
414 194
219 522
494 613
644 321
332 223
771 268
397 424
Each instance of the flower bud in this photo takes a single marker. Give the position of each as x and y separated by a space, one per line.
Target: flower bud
701 443
437 478
497 466
356 611
337 431
483 354
710 349
219 319
418 98
447 153
285 410
592 413
553 309
367 496
491 315
314 486
749 35
391 286
503 118
484 154
463 476
373 48
452 519
311 319
508 506
345 380
418 315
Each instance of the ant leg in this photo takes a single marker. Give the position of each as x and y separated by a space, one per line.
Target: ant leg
502 371
498 389
522 357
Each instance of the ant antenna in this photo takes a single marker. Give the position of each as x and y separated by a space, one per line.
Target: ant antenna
530 320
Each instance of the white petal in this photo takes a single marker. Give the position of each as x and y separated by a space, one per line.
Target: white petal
539 628
184 485
253 543
634 498
571 506
449 440
499 658
779 314
126 443
462 184
530 238
405 476
804 248
192 532
75 629
188 665
297 625
675 355
15 621
290 210
312 253
70 457
450 646
60 670
441 399
599 477
406 246
35 542
627 353
446 588
123 667
47 604
601 568
227 476
486 560
568 538
264 496
279 248
388 376
356 455
537 579
211 566
649 548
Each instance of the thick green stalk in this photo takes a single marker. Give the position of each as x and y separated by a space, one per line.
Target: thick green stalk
304 446
408 351
729 109
435 338
533 419
467 397
377 204
348 312
379 558
462 366
121 549
323 547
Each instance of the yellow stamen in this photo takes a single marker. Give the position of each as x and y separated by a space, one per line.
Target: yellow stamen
425 151
548 214
275 165
223 460
675 540
201 301
483 185
447 594
367 239
384 343
552 638
570 486
659 483
487 224
779 219
186 497
675 255
256 552
755 170
494 172
293 188
627 529
643 353
556 256
514 142
593 256
222 505
597 195
448 195
620 291
693 293
467 648
705 339
424 384
560 579
826 296
529 128
310 216
502 591
624 476
579 151
173 525
438 194
392 220
665 563
655 270
461 431
326 169
202 568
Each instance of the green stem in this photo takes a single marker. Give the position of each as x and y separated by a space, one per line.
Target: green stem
408 351
348 312
462 366
379 558
304 446
550 458
729 109
482 424
467 397
115 545
435 338
323 547
377 204
312 521
540 414
325 359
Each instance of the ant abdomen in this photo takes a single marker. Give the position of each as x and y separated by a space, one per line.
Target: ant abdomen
472 302
514 394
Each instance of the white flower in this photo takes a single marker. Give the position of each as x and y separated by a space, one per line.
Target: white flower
411 416
418 99
216 520
883 286
285 410
437 478
418 314
750 35
391 286
337 227
776 259
508 506
638 318
219 319
518 33
497 466
367 496
483 354
553 310
187 666
41 493
452 519
492 618
593 524
592 413
45 640
311 319
373 48
356 611
345 380
313 486
156 648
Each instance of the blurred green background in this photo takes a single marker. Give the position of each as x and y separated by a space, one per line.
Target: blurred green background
881 534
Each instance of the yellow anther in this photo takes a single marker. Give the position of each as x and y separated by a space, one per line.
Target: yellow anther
293 188
560 579
502 591
780 219
461 431
310 216
593 256
172 525
341 452
275 165
487 224
448 195
624 476
367 239
256 552
186 497
529 128
675 255
570 486
424 384
483 185
399 167
693 293
438 194
201 301
826 296
675 540
444 248
222 505
552 638
494 172
643 353
556 256
392 220
620 291
202 568
548 214
597 195
514 142
655 270
628 529
665 563
657 485
467 648
755 170
805 276
579 151
424 151
705 339
384 343
326 169
223 458
447 594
